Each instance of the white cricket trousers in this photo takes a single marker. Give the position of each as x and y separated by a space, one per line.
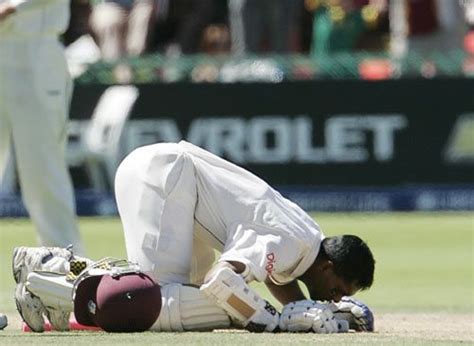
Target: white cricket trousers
155 189
35 90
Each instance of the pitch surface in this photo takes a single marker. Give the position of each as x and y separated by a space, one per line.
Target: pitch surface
423 291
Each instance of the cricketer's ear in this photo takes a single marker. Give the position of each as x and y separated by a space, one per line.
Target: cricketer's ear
327 265
319 267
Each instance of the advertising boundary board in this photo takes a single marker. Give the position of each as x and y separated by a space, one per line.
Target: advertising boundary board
328 145
350 133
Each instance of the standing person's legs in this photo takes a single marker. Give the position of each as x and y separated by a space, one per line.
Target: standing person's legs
155 189
6 181
5 136
39 105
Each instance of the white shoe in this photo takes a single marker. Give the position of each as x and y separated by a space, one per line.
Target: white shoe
30 308
28 259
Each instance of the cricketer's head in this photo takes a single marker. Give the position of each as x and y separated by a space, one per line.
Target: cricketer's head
344 265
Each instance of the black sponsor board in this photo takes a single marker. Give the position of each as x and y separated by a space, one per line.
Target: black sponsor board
327 145
316 133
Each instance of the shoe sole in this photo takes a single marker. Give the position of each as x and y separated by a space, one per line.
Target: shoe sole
16 271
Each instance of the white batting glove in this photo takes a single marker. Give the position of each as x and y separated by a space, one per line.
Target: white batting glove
307 316
356 313
264 320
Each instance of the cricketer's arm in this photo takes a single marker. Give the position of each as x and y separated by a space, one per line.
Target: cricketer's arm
225 285
285 294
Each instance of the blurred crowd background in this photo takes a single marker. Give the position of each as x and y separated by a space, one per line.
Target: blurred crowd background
310 33
126 56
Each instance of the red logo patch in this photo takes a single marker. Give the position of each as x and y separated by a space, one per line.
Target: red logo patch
270 262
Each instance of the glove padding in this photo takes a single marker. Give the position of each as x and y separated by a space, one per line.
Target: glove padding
307 316
264 320
358 314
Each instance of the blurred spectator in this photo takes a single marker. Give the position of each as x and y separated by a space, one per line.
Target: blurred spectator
434 25
264 25
216 40
122 28
181 24
468 7
339 25
79 21
376 37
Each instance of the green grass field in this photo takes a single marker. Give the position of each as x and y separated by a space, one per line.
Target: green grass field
424 279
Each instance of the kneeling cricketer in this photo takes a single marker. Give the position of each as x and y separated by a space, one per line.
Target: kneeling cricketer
179 205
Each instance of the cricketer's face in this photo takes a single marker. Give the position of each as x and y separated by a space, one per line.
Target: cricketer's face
327 285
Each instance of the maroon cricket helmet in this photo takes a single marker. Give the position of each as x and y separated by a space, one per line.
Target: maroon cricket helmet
128 302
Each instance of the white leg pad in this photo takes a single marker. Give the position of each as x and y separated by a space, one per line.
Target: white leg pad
55 294
230 291
185 308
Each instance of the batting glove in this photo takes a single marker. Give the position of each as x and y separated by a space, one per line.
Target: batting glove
358 314
307 316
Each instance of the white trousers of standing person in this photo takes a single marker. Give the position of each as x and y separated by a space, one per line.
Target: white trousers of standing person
35 90
155 189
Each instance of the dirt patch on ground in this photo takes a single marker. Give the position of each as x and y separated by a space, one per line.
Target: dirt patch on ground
405 327
435 326
390 327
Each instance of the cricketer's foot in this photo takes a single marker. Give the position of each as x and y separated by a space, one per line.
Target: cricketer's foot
30 308
28 259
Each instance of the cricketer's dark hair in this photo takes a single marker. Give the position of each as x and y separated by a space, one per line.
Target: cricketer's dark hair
353 261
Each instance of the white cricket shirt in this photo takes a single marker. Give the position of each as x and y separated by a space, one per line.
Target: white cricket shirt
250 222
